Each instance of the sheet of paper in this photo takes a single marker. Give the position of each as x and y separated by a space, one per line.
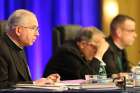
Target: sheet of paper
47 86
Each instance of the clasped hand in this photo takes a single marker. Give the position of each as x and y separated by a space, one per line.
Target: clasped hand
51 79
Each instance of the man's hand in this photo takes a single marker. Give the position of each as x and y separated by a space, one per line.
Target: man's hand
102 47
51 79
54 77
119 79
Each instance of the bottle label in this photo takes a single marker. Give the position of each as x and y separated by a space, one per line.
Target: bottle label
102 77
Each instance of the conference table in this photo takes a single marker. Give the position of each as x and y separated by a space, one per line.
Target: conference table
28 90
72 86
40 90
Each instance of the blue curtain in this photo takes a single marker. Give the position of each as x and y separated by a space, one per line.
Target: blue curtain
51 13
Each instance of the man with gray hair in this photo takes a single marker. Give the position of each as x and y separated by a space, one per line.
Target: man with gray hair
22 31
79 57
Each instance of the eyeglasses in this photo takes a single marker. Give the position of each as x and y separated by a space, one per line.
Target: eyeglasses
127 30
35 28
91 45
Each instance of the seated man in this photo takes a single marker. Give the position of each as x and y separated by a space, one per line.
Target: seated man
79 57
122 35
22 31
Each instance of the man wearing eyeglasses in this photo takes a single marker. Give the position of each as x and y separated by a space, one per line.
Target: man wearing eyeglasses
122 35
79 57
22 31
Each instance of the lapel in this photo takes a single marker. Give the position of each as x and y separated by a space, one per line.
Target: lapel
20 66
118 64
17 59
22 53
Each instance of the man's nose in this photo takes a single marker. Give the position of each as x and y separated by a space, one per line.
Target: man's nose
37 33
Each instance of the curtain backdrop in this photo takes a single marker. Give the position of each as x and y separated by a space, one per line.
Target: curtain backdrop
51 13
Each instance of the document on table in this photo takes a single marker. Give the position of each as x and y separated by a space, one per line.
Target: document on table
81 84
70 84
47 86
99 86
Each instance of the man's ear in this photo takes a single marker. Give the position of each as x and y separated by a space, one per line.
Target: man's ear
118 32
17 30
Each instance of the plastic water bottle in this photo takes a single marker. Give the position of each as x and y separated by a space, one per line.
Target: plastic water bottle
102 72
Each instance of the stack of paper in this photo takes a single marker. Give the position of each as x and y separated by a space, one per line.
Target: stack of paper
70 84
99 86
82 84
47 86
73 82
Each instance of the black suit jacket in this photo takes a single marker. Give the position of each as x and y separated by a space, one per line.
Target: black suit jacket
13 66
70 64
111 59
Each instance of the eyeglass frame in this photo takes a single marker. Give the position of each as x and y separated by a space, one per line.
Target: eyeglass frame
35 28
128 30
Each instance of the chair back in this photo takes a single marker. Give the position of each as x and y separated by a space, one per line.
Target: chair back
64 33
3 27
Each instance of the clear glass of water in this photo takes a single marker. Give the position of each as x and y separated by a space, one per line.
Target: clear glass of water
129 79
